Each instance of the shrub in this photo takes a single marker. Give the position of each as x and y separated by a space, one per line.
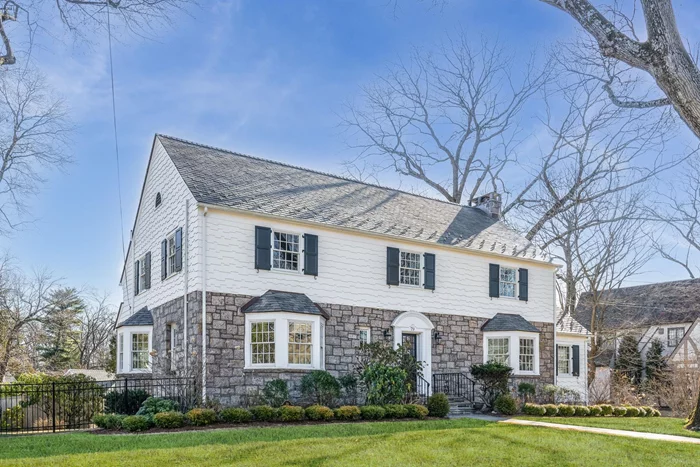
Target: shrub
235 415
642 412
566 410
384 354
595 411
136 423
582 411
534 409
108 421
201 417
349 384
395 411
169 419
127 404
275 393
291 413
492 377
438 405
551 410
656 413
632 412
372 412
526 390
505 404
319 412
263 413
619 411
321 387
416 411
12 418
347 412
385 384
649 411
606 409
155 405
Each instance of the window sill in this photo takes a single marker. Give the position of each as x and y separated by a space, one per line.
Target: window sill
173 274
254 369
285 271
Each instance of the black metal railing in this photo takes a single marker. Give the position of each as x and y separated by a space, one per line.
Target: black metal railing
71 405
456 385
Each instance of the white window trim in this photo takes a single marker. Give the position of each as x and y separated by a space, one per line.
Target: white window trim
369 334
171 235
142 273
571 360
514 349
126 332
420 269
282 321
674 329
173 346
516 283
300 263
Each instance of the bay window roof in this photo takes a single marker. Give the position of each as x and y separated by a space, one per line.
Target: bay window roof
506 322
286 302
143 317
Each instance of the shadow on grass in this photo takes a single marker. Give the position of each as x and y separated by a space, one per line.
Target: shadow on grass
35 446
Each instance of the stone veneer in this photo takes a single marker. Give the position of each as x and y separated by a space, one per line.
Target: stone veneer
460 346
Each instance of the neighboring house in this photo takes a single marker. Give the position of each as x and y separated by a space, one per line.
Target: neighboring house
244 270
97 375
572 355
668 311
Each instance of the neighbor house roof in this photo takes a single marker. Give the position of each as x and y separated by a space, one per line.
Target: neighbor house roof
223 178
645 305
290 302
97 375
507 322
143 317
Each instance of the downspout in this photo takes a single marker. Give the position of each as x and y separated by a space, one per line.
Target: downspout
184 297
204 305
554 313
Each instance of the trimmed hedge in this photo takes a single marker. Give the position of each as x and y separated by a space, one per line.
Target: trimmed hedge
319 412
416 411
582 411
372 412
169 419
135 423
534 409
564 410
607 409
551 410
620 411
111 421
264 413
201 417
438 405
235 415
632 412
347 412
395 411
291 413
595 411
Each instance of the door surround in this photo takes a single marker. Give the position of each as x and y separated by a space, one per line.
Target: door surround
413 322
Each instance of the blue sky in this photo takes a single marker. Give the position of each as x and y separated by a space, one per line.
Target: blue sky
261 77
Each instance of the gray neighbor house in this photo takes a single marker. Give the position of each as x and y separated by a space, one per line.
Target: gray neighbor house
241 270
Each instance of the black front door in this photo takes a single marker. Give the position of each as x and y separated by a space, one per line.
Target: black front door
410 341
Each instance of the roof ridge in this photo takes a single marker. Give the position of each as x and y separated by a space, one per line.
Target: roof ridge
319 172
679 281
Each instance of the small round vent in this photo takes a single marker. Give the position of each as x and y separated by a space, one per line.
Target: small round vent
158 199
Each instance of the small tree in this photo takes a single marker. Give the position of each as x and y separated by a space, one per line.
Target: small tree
321 387
657 368
493 379
629 360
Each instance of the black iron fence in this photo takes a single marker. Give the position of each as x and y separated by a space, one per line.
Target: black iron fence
71 405
457 385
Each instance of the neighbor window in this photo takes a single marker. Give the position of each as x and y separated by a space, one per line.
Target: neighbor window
409 269
171 255
563 359
674 336
120 346
285 251
139 351
498 350
364 336
527 354
300 343
508 282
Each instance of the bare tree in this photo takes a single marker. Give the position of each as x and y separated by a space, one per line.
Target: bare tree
95 330
447 119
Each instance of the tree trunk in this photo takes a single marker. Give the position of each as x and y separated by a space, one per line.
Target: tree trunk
694 419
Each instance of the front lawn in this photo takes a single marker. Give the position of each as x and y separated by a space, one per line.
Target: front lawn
444 442
661 425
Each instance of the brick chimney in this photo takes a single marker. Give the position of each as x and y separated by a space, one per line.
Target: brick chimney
489 203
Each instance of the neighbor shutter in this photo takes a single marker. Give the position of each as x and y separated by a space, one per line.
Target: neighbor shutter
148 270
522 282
494 280
392 266
429 267
311 255
262 247
163 260
136 277
178 249
576 370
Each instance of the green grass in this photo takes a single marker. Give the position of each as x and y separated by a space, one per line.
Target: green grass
662 425
448 442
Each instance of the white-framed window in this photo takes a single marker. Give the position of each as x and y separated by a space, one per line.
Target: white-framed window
170 343
508 282
142 274
120 351
365 335
674 336
564 359
262 343
517 349
527 354
139 351
285 251
410 268
284 340
134 349
172 251
300 343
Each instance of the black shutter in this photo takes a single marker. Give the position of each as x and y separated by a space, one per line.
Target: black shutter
136 277
163 260
577 364
392 266
262 247
494 280
429 266
148 270
311 255
522 282
178 249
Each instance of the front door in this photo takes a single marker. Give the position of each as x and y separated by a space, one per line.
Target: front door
410 341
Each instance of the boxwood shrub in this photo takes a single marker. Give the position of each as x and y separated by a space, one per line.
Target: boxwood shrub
136 423
395 411
607 409
505 404
534 409
649 411
169 419
264 413
582 411
632 412
291 413
566 410
438 405
372 412
656 413
551 410
642 412
619 411
595 411
347 412
201 417
416 411
111 421
235 415
318 412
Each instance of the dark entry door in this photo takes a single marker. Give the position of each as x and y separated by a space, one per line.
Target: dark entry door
410 341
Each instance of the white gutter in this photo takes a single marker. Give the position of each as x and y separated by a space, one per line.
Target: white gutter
184 297
204 304
554 312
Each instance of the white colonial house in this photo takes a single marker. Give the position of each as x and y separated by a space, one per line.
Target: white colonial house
241 270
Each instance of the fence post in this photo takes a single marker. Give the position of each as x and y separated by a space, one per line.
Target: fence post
53 405
126 395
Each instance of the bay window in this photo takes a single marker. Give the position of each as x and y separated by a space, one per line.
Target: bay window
283 340
134 349
517 349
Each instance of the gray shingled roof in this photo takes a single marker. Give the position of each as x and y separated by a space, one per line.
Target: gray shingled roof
567 323
223 178
645 305
142 317
508 322
291 302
